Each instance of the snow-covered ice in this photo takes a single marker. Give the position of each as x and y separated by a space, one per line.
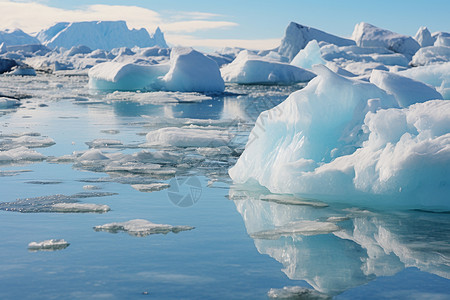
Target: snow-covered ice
431 55
8 103
141 228
368 35
151 187
308 56
48 245
189 137
80 208
252 69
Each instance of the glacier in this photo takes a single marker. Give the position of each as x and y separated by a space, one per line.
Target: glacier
342 138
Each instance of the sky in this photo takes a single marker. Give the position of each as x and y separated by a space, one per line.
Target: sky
208 24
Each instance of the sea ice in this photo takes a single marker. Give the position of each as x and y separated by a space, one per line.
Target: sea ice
253 69
296 292
8 102
431 55
308 56
48 245
367 35
306 228
320 143
151 187
141 228
189 137
80 208
20 154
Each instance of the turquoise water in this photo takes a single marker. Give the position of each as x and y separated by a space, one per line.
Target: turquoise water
238 249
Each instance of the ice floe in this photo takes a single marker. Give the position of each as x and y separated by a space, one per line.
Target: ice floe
80 208
189 137
151 187
48 245
141 228
296 292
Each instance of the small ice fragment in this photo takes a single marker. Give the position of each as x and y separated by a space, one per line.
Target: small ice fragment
141 228
91 187
296 292
48 245
80 208
296 228
291 200
152 187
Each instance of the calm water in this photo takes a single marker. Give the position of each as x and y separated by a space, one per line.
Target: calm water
240 247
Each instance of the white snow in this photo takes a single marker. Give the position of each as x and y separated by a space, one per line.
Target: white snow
431 55
308 56
320 143
8 102
48 245
252 69
80 208
98 35
297 37
407 91
423 37
140 227
367 35
188 137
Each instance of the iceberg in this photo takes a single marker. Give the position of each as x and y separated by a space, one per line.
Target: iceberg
192 71
141 228
340 138
80 208
13 37
298 36
253 69
296 292
189 137
98 35
367 35
308 56
407 91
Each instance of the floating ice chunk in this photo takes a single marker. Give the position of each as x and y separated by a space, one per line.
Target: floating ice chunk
141 228
20 154
104 143
431 55
28 141
157 97
251 69
191 71
158 157
296 292
308 56
116 76
291 200
8 102
306 228
48 245
319 143
214 151
80 208
297 37
93 154
91 187
407 91
367 35
151 187
189 137
423 37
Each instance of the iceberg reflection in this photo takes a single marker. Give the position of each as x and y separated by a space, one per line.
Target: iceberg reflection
362 246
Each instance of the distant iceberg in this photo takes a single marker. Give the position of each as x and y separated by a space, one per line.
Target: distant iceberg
99 35
340 138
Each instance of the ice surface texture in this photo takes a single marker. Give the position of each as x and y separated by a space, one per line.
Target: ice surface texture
187 71
48 245
337 139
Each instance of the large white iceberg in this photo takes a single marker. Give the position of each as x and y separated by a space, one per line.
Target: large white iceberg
308 56
367 35
297 37
98 35
253 69
333 140
431 55
187 71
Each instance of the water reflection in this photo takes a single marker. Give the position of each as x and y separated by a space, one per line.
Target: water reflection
367 245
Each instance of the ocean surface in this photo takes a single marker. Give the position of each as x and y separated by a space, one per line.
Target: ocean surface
246 243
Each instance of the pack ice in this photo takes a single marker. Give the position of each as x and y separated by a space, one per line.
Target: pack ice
340 138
